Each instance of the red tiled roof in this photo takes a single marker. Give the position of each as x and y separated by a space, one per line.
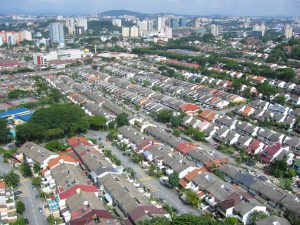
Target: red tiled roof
188 107
185 147
2 185
83 218
73 190
255 144
55 161
268 153
75 141
148 144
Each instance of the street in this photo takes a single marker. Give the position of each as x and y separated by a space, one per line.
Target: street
28 197
156 188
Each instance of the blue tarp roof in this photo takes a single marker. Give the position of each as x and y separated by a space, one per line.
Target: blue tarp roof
25 117
13 112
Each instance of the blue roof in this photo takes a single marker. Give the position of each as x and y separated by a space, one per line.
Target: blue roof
25 117
13 112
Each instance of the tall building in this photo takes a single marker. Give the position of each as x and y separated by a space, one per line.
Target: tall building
214 30
183 22
79 22
174 23
125 32
288 31
259 28
134 31
197 22
168 32
161 23
12 37
70 24
150 25
26 35
143 26
117 22
57 33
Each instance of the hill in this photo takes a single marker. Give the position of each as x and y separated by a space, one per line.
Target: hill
122 13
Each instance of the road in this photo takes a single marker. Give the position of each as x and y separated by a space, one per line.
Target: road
155 187
28 197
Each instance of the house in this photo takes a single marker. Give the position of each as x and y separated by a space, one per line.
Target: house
293 143
211 130
220 134
246 111
226 122
271 152
272 220
191 121
8 211
208 115
266 192
231 137
240 205
189 108
131 204
34 153
255 147
243 142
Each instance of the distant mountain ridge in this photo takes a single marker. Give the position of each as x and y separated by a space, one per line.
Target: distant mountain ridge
122 13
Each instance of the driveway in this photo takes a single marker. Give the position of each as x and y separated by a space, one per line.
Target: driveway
158 190
28 197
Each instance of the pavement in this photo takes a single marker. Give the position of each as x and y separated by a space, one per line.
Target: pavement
28 197
158 190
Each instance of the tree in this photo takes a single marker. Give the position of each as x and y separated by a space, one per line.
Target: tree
97 122
188 219
155 221
292 217
231 221
36 168
281 100
192 198
53 122
175 121
20 207
122 120
257 215
36 181
55 146
237 84
12 179
176 132
112 135
266 89
164 115
19 221
26 170
5 135
51 220
174 179
286 183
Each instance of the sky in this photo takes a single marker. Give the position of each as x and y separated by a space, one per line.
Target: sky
186 7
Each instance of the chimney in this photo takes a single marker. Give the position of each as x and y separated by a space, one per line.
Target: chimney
78 190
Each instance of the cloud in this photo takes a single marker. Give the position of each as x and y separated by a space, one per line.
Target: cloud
195 7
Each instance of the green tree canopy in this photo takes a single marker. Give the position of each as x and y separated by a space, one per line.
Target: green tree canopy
122 120
26 170
5 135
174 179
53 122
97 122
12 179
20 207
